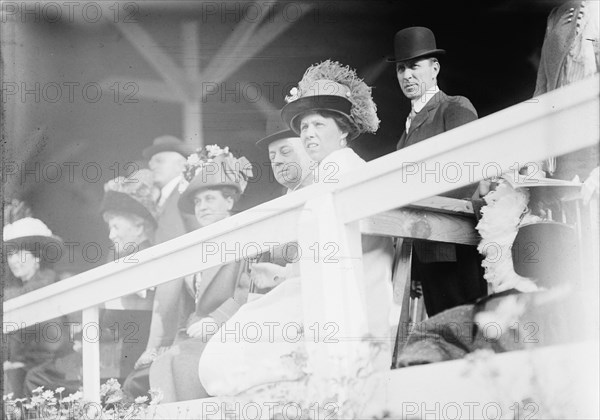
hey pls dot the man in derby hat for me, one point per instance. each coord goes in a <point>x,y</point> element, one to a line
<point>290,163</point>
<point>166,159</point>
<point>417,67</point>
<point>450,274</point>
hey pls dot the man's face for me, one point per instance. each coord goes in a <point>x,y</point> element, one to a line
<point>210,206</point>
<point>289,161</point>
<point>165,166</point>
<point>416,76</point>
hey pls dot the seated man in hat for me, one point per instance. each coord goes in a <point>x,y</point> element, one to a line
<point>291,165</point>
<point>449,274</point>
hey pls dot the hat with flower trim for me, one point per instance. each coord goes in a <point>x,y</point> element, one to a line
<point>135,194</point>
<point>330,86</point>
<point>211,168</point>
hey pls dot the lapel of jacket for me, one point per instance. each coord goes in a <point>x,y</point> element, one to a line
<point>423,115</point>
<point>170,202</point>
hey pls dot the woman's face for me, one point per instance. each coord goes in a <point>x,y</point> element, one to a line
<point>210,206</point>
<point>321,136</point>
<point>126,234</point>
<point>23,264</point>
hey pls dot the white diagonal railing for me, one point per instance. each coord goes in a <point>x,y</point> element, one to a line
<point>554,124</point>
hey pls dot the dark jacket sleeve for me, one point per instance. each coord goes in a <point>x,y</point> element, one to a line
<point>459,112</point>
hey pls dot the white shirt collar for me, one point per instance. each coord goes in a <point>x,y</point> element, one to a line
<point>166,191</point>
<point>419,103</point>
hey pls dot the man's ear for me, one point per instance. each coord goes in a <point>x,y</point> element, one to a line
<point>436,68</point>
<point>229,203</point>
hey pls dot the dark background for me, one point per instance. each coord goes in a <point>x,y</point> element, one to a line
<point>492,56</point>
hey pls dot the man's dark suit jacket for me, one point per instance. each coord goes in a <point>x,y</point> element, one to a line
<point>440,114</point>
<point>447,283</point>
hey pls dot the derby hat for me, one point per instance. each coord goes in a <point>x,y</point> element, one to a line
<point>212,168</point>
<point>330,86</point>
<point>276,130</point>
<point>414,42</point>
<point>29,234</point>
<point>167,144</point>
<point>133,195</point>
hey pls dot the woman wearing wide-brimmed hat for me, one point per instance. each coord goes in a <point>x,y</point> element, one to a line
<point>31,250</point>
<point>330,107</point>
<point>216,181</point>
<point>128,208</point>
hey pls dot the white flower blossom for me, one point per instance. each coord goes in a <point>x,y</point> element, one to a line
<point>141,400</point>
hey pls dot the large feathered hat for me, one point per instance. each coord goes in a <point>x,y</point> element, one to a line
<point>330,86</point>
<point>135,194</point>
<point>212,167</point>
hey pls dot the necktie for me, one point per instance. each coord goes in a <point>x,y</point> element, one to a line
<point>410,118</point>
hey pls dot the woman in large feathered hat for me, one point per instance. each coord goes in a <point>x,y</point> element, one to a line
<point>330,107</point>
<point>129,210</point>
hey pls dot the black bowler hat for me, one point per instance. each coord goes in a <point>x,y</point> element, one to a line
<point>276,130</point>
<point>168,144</point>
<point>414,42</point>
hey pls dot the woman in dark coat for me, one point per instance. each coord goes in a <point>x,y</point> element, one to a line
<point>31,248</point>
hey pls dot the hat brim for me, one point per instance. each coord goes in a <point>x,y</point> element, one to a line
<point>186,199</point>
<point>121,202</point>
<point>544,250</point>
<point>183,149</point>
<point>30,242</point>
<point>284,134</point>
<point>331,103</point>
<point>420,54</point>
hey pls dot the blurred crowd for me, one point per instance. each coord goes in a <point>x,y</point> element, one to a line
<point>178,347</point>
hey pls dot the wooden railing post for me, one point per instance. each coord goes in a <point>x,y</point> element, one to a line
<point>91,354</point>
<point>335,319</point>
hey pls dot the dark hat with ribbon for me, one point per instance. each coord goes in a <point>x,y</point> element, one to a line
<point>546,251</point>
<point>276,130</point>
<point>414,42</point>
<point>135,194</point>
<point>168,144</point>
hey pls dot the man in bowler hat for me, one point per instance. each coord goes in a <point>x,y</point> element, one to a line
<point>291,165</point>
<point>450,274</point>
<point>166,159</point>
<point>417,67</point>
